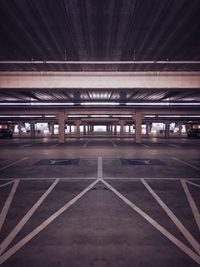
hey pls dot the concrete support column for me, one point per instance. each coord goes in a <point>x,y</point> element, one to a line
<point>12,127</point>
<point>167,129</point>
<point>112,129</point>
<point>61,125</point>
<point>20,128</point>
<point>121,128</point>
<point>148,128</point>
<point>78,128</point>
<point>32,129</point>
<point>138,127</point>
<point>115,129</point>
<point>51,128</point>
<point>179,129</point>
<point>84,129</point>
<point>187,128</point>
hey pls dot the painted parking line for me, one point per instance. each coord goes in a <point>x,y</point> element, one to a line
<point>8,203</point>
<point>93,178</point>
<point>54,145</point>
<point>100,168</point>
<point>192,203</point>
<point>25,219</point>
<point>86,143</point>
<point>43,225</point>
<point>187,163</point>
<point>113,143</point>
<point>161,229</point>
<point>26,145</point>
<point>195,244</point>
<point>13,163</point>
<point>2,185</point>
<point>193,183</point>
<point>144,145</point>
<point>176,146</point>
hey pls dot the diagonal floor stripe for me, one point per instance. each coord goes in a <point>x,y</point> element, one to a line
<point>13,163</point>
<point>198,185</point>
<point>86,143</point>
<point>25,219</point>
<point>195,244</point>
<point>8,203</point>
<point>2,185</point>
<point>161,229</point>
<point>43,225</point>
<point>187,163</point>
<point>192,203</point>
<point>100,168</point>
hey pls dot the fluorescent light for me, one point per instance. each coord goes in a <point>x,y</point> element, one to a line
<point>21,116</point>
<point>179,116</point>
<point>50,104</point>
<point>99,104</point>
<point>149,116</point>
<point>163,104</point>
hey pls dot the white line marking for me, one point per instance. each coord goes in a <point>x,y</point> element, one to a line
<point>172,145</point>
<point>86,143</point>
<point>186,163</point>
<point>100,168</point>
<point>43,225</point>
<point>54,145</point>
<point>193,183</point>
<point>25,219</point>
<point>145,145</point>
<point>8,203</point>
<point>93,178</point>
<point>13,163</point>
<point>192,203</point>
<point>195,244</point>
<point>146,178</point>
<point>26,145</point>
<point>161,229</point>
<point>113,143</point>
<point>2,185</point>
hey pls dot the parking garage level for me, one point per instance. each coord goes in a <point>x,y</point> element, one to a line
<point>99,133</point>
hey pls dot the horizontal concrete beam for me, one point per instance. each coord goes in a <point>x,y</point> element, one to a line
<point>124,80</point>
<point>15,112</point>
<point>32,62</point>
<point>99,120</point>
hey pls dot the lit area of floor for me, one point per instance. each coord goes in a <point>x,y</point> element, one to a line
<point>100,202</point>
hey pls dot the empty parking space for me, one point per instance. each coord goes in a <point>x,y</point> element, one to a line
<point>95,227</point>
<point>81,203</point>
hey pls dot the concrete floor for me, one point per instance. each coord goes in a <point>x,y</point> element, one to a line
<point>101,226</point>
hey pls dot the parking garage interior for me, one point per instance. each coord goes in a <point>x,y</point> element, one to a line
<point>102,100</point>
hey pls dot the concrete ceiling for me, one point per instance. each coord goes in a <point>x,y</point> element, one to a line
<point>100,30</point>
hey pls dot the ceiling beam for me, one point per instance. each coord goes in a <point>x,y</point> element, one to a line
<point>99,62</point>
<point>85,80</point>
<point>97,111</point>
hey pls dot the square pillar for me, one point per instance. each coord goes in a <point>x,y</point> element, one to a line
<point>138,127</point>
<point>32,128</point>
<point>167,129</point>
<point>20,128</point>
<point>78,128</point>
<point>61,124</point>
<point>179,129</point>
<point>51,128</point>
<point>121,128</point>
<point>148,128</point>
<point>115,129</point>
